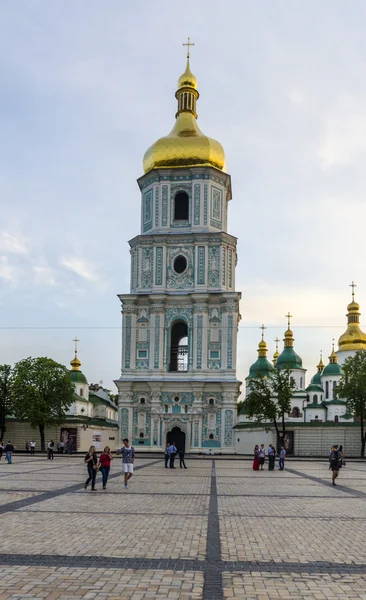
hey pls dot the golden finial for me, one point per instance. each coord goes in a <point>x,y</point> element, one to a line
<point>276,354</point>
<point>75,363</point>
<point>333,357</point>
<point>276,342</point>
<point>262,327</point>
<point>288,317</point>
<point>188,44</point>
<point>353,285</point>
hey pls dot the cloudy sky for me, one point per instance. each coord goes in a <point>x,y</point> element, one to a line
<point>87,86</point>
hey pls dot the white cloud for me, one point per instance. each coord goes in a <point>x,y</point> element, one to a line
<point>12,243</point>
<point>81,268</point>
<point>8,272</point>
<point>44,275</point>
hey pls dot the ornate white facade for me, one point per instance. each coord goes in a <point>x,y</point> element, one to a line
<point>180,319</point>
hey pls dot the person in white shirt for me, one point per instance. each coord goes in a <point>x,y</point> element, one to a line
<point>32,446</point>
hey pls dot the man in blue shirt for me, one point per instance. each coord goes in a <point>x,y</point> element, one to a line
<point>281,462</point>
<point>271,457</point>
<point>128,457</point>
<point>172,451</point>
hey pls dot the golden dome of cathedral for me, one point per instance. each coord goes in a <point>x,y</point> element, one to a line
<point>185,145</point>
<point>353,338</point>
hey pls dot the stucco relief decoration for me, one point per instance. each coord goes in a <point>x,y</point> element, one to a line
<point>124,423</point>
<point>171,314</point>
<point>213,266</point>
<point>146,268</point>
<point>183,280</point>
<point>228,434</point>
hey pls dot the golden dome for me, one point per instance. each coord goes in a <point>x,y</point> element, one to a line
<point>185,145</point>
<point>353,338</point>
<point>187,79</point>
<point>75,363</point>
<point>320,365</point>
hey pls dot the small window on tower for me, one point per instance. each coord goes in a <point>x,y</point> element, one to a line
<point>211,401</point>
<point>211,436</point>
<point>142,400</point>
<point>181,207</point>
<point>81,392</point>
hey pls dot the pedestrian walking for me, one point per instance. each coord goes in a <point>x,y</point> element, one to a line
<point>181,458</point>
<point>69,447</point>
<point>62,447</point>
<point>166,455</point>
<point>281,462</point>
<point>91,460</point>
<point>27,446</point>
<point>32,447</point>
<point>50,448</point>
<point>9,449</point>
<point>335,462</point>
<point>105,464</point>
<point>1,449</point>
<point>343,460</point>
<point>262,456</point>
<point>172,451</point>
<point>271,457</point>
<point>128,458</point>
<point>256,461</point>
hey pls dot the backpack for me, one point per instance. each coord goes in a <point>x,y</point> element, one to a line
<point>335,458</point>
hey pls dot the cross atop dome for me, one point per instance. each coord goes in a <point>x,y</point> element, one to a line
<point>188,44</point>
<point>353,285</point>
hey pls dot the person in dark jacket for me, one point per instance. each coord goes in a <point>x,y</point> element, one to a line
<point>166,455</point>
<point>181,459</point>
<point>91,460</point>
<point>9,449</point>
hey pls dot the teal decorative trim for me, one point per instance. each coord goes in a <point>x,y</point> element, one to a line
<point>124,423</point>
<point>199,341</point>
<point>223,274</point>
<point>205,194</point>
<point>201,273</point>
<point>216,207</point>
<point>228,433</point>
<point>176,410</point>
<point>128,321</point>
<point>159,266</point>
<point>157,341</point>
<point>137,280</point>
<point>156,207</point>
<point>147,210</point>
<point>196,437</point>
<point>147,264</point>
<point>230,342</point>
<point>213,266</point>
<point>230,284</point>
<point>184,398</point>
<point>197,204</point>
<point>164,206</point>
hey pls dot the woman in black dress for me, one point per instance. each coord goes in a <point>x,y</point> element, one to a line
<point>91,460</point>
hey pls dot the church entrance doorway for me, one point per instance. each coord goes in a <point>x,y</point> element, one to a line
<point>177,436</point>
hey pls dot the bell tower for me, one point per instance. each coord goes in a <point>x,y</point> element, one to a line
<point>181,317</point>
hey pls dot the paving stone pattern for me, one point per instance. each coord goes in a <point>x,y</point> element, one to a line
<point>216,531</point>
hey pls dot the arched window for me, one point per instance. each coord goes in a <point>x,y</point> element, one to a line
<point>336,419</point>
<point>178,347</point>
<point>327,389</point>
<point>315,399</point>
<point>334,390</point>
<point>295,412</point>
<point>181,207</point>
<point>300,383</point>
<point>142,400</point>
<point>211,401</point>
<point>166,408</point>
<point>81,392</point>
<point>186,408</point>
<point>141,435</point>
<point>211,436</point>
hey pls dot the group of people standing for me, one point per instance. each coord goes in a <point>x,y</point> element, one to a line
<point>170,455</point>
<point>260,457</point>
<point>103,464</point>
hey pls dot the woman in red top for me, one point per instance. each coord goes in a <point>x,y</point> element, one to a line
<point>105,464</point>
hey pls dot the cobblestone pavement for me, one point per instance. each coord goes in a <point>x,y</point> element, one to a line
<point>216,531</point>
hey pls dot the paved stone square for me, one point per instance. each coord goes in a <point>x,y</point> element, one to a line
<point>217,530</point>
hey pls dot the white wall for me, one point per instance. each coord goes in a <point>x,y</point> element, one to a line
<point>249,438</point>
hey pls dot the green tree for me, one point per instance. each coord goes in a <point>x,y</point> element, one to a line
<point>42,393</point>
<point>5,397</point>
<point>352,388</point>
<point>269,399</point>
<point>240,406</point>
